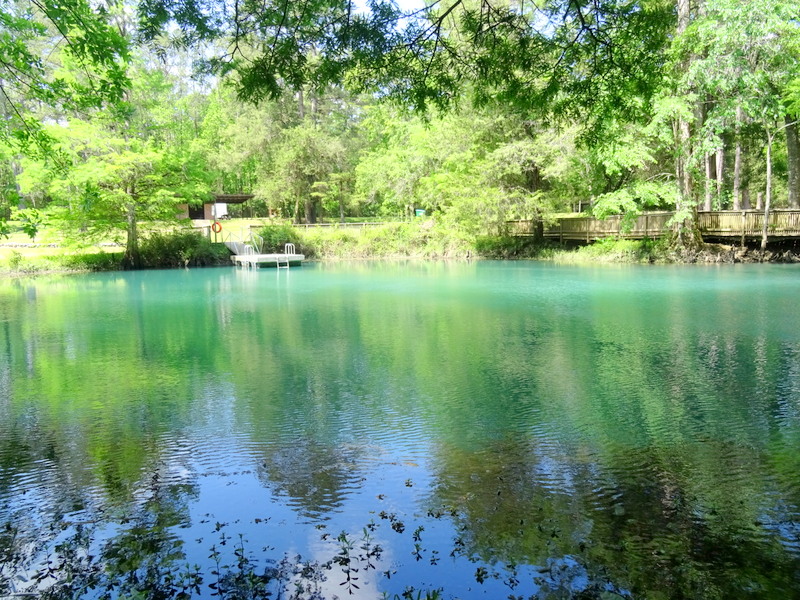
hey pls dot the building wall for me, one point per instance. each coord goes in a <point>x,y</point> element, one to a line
<point>183,211</point>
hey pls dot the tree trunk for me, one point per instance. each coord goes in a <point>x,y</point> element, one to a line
<point>737,164</point>
<point>16,169</point>
<point>311,211</point>
<point>685,233</point>
<point>681,127</point>
<point>768,201</point>
<point>710,175</point>
<point>793,152</point>
<point>301,104</point>
<point>132,258</point>
<point>311,201</point>
<point>297,209</point>
<point>684,14</point>
<point>720,173</point>
<point>684,177</point>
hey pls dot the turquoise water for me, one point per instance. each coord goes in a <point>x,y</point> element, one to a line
<point>495,428</point>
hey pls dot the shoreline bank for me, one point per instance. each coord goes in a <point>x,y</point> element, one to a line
<point>402,241</point>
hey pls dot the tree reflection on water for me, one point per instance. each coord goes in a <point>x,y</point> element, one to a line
<point>604,444</point>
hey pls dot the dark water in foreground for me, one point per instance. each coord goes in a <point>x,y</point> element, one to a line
<point>497,429</point>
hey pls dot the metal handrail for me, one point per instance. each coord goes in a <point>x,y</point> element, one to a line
<point>257,241</point>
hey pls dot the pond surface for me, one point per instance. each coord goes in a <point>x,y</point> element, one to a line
<point>489,429</point>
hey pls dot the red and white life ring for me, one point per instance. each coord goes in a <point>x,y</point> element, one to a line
<point>216,227</point>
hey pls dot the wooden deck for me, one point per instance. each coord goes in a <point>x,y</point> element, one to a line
<point>268,260</point>
<point>738,225</point>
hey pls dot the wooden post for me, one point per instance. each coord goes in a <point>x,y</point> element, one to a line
<point>744,225</point>
<point>646,225</point>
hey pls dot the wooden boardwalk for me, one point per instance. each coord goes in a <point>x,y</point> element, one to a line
<point>740,225</point>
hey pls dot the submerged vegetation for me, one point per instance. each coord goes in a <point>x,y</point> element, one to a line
<point>147,560</point>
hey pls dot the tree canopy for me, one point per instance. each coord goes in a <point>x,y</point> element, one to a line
<point>64,55</point>
<point>478,111</point>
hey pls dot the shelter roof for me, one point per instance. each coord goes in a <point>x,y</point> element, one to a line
<point>232,198</point>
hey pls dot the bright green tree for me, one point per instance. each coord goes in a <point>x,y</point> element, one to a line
<point>305,159</point>
<point>744,59</point>
<point>128,164</point>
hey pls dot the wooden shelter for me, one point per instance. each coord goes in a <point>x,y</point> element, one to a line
<point>207,211</point>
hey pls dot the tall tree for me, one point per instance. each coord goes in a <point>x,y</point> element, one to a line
<point>306,156</point>
<point>125,165</point>
<point>745,54</point>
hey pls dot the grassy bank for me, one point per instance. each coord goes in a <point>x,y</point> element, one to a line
<point>415,239</point>
<point>419,239</point>
<point>613,250</point>
<point>427,239</point>
<point>158,250</point>
<point>35,260</point>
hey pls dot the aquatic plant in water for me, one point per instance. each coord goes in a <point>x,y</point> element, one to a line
<point>146,560</point>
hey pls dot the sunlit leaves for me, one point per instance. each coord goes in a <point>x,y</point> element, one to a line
<point>62,54</point>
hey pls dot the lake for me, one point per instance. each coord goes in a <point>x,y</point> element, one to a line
<point>487,429</point>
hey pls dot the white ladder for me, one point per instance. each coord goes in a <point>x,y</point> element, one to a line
<point>282,262</point>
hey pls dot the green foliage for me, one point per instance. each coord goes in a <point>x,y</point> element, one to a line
<point>618,251</point>
<point>792,96</point>
<point>15,260</point>
<point>92,261</point>
<point>277,236</point>
<point>77,262</point>
<point>30,220</point>
<point>331,243</point>
<point>507,246</point>
<point>306,156</point>
<point>181,249</point>
<point>556,57</point>
<point>416,239</point>
<point>572,102</point>
<point>118,175</point>
<point>478,169</point>
<point>630,201</point>
<point>237,139</point>
<point>109,175</point>
<point>87,71</point>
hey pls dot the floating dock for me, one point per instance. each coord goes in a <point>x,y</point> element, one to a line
<point>268,260</point>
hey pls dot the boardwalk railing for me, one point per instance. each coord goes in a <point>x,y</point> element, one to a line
<point>740,224</point>
<point>346,225</point>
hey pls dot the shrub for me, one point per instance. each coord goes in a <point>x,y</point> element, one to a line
<point>508,246</point>
<point>277,236</point>
<point>15,260</point>
<point>181,249</point>
<point>330,243</point>
<point>613,249</point>
<point>96,261</point>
